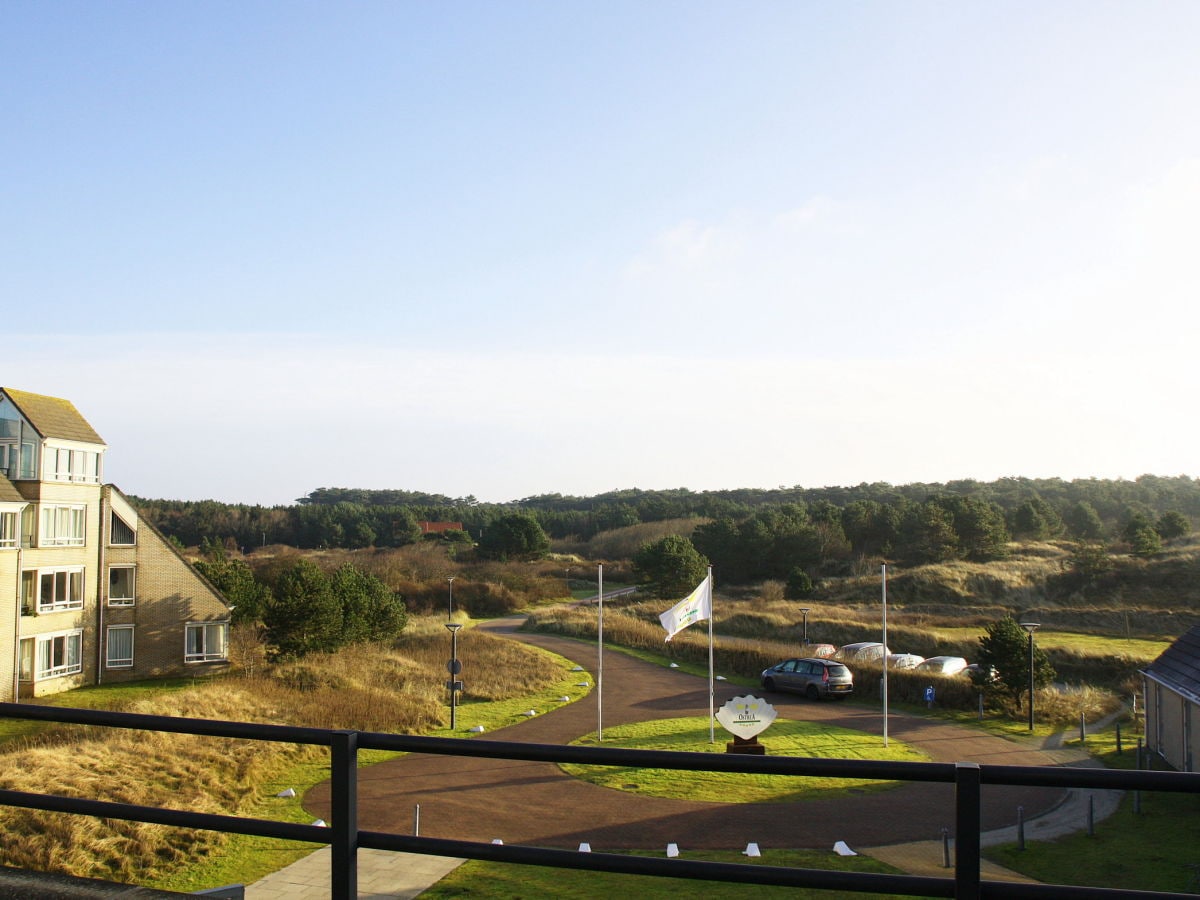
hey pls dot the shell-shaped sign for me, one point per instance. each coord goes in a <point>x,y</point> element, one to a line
<point>746,716</point>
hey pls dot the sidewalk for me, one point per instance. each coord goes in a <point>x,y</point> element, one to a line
<point>382,875</point>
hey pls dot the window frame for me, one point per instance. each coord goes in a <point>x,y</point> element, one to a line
<point>10,530</point>
<point>113,518</point>
<point>73,636</point>
<point>39,606</point>
<point>205,655</point>
<point>108,648</point>
<point>52,519</point>
<point>131,600</point>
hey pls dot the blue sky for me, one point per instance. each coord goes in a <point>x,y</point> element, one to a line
<point>509,249</point>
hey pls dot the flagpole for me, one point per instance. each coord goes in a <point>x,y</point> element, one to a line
<point>712,713</point>
<point>885,657</point>
<point>600,656</point>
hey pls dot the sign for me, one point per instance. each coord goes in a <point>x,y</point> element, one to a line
<point>454,667</point>
<point>929,694</point>
<point>746,717</point>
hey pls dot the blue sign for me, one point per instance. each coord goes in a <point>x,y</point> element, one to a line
<point>929,694</point>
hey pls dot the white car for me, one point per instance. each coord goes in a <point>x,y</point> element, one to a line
<point>904,660</point>
<point>942,665</point>
<point>863,651</point>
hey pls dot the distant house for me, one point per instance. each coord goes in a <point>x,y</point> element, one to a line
<point>101,595</point>
<point>439,527</point>
<point>1172,685</point>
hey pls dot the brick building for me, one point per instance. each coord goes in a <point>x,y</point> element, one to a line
<point>93,592</point>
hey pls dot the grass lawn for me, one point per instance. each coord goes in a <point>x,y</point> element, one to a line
<point>1156,850</point>
<point>486,879</point>
<point>783,738</point>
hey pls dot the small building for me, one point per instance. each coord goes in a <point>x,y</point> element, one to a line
<point>1172,691</point>
<point>96,594</point>
<point>439,527</point>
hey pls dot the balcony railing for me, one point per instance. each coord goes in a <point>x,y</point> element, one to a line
<point>345,838</point>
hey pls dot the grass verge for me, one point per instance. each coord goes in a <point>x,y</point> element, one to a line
<point>483,879</point>
<point>785,738</point>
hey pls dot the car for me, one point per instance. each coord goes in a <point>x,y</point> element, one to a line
<point>904,660</point>
<point>978,674</point>
<point>863,651</point>
<point>812,677</point>
<point>942,665</point>
<point>821,651</point>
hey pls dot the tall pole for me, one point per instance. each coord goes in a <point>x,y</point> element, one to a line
<point>804,612</point>
<point>712,712</point>
<point>454,668</point>
<point>600,654</point>
<point>883,582</point>
<point>450,610</point>
<point>1030,628</point>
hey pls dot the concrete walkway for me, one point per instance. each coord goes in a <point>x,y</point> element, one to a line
<point>382,875</point>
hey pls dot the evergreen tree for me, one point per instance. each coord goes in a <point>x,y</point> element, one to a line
<point>303,616</point>
<point>1005,649</point>
<point>670,567</point>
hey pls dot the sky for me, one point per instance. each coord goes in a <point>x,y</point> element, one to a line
<point>510,249</point>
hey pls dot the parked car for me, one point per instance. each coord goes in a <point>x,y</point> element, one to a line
<point>863,651</point>
<point>942,665</point>
<point>814,678</point>
<point>904,660</point>
<point>820,651</point>
<point>976,673</point>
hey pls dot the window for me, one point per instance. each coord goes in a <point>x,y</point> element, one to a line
<point>26,667</point>
<point>53,590</point>
<point>62,464</point>
<point>59,654</point>
<point>120,585</point>
<point>119,648</point>
<point>8,529</point>
<point>205,642</point>
<point>62,526</point>
<point>119,532</point>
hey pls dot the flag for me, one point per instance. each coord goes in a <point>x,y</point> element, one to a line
<point>695,607</point>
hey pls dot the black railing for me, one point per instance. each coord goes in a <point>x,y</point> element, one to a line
<point>345,838</point>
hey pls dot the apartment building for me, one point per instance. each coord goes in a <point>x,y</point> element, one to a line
<point>90,593</point>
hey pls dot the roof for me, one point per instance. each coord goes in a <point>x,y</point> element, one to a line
<point>1179,665</point>
<point>8,493</point>
<point>53,417</point>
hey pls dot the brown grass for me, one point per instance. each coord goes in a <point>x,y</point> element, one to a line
<point>396,689</point>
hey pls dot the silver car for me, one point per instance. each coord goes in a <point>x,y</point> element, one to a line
<point>814,678</point>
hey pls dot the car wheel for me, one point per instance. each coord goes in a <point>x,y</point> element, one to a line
<point>769,684</point>
<point>812,693</point>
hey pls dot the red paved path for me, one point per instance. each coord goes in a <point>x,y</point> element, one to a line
<point>534,803</point>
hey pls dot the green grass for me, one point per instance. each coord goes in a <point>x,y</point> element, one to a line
<point>486,879</point>
<point>1155,850</point>
<point>783,738</point>
<point>1085,644</point>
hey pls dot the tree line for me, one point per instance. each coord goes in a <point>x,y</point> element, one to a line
<point>918,522</point>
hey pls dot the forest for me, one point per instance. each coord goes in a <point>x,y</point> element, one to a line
<point>752,533</point>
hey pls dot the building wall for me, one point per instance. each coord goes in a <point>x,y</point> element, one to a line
<point>47,493</point>
<point>10,607</point>
<point>1172,723</point>
<point>169,594</point>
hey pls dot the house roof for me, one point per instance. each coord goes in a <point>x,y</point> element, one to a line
<point>1179,665</point>
<point>53,417</point>
<point>8,493</point>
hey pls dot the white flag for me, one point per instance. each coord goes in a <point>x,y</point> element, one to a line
<point>695,607</point>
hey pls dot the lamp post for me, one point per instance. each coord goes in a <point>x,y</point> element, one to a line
<point>1030,628</point>
<point>454,667</point>
<point>804,612</point>
<point>450,582</point>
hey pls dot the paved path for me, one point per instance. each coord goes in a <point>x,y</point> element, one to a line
<point>534,803</point>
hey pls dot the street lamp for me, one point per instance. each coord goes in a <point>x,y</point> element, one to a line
<point>1030,628</point>
<point>804,610</point>
<point>454,667</point>
<point>450,582</point>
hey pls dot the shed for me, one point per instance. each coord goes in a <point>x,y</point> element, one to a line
<point>1172,684</point>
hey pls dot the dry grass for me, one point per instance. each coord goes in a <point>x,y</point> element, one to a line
<point>395,689</point>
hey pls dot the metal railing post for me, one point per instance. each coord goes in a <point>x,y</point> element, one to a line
<point>967,809</point>
<point>344,809</point>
